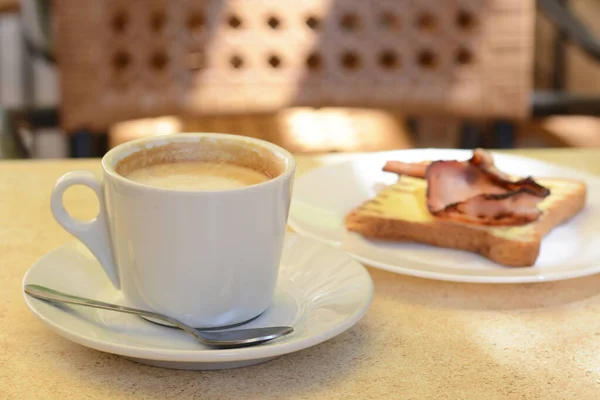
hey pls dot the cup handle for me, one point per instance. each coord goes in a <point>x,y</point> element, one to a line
<point>93,234</point>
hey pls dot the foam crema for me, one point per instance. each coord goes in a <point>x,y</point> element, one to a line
<point>206,164</point>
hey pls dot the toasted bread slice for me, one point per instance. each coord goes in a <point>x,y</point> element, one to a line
<point>399,213</point>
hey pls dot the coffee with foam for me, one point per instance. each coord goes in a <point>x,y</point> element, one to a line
<point>197,175</point>
<point>204,165</point>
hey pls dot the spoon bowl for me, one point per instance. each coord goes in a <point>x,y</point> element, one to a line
<point>235,338</point>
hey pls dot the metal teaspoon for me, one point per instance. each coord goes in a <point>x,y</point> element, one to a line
<point>220,339</point>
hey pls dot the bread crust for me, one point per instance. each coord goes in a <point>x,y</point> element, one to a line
<point>521,252</point>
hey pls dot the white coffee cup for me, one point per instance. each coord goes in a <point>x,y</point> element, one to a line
<point>208,258</point>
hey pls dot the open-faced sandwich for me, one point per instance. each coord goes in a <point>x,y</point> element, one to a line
<point>469,205</point>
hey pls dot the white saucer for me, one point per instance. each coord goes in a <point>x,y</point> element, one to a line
<point>321,293</point>
<point>323,197</point>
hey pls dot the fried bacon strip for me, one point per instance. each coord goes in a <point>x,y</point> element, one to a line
<point>475,191</point>
<point>416,170</point>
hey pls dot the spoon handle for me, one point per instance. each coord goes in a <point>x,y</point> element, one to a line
<point>44,293</point>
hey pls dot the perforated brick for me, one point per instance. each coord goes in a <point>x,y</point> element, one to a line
<point>123,59</point>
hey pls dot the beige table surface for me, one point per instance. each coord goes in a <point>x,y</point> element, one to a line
<point>420,339</point>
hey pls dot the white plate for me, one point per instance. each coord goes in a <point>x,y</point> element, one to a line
<point>321,292</point>
<point>324,196</point>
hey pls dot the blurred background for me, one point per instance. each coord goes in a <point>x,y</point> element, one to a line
<point>78,77</point>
